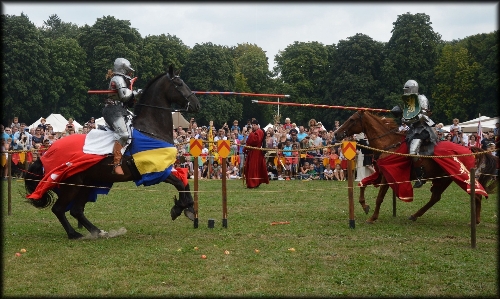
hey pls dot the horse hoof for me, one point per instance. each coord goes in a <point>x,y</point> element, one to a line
<point>189,213</point>
<point>103,234</point>
<point>366,209</point>
<point>175,212</point>
<point>412,218</point>
<point>369,221</point>
<point>75,235</point>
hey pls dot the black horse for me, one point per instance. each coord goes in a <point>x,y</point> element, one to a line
<point>152,118</point>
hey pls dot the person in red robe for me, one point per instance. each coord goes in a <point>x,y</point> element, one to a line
<point>255,164</point>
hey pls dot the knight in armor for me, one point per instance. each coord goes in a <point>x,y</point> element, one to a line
<point>115,111</point>
<point>421,137</point>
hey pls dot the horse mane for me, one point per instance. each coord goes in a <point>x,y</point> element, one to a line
<point>389,123</point>
<point>151,82</point>
<point>137,108</point>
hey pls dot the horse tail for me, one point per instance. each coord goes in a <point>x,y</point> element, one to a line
<point>487,167</point>
<point>31,180</point>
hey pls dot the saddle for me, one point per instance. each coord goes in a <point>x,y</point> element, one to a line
<point>100,141</point>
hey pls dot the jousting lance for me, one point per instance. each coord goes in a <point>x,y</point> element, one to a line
<point>320,106</point>
<point>132,81</point>
<point>247,94</point>
<point>226,93</point>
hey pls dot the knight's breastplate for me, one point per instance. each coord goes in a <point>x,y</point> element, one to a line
<point>411,107</point>
<point>116,83</point>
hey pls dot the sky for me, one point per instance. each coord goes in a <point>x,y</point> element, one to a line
<point>271,26</point>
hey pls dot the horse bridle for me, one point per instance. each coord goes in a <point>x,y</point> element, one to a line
<point>176,88</point>
<point>380,136</point>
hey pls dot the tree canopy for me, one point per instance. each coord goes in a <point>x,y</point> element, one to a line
<point>51,68</point>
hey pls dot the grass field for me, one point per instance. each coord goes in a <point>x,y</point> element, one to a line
<point>151,255</point>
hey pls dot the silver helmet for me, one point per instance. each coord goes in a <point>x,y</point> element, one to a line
<point>411,86</point>
<point>122,66</point>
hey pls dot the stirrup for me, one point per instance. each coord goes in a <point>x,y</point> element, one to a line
<point>114,167</point>
<point>419,183</point>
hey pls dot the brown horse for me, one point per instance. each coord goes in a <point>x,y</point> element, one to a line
<point>152,122</point>
<point>383,134</point>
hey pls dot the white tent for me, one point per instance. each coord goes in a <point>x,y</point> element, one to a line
<point>268,126</point>
<point>487,124</point>
<point>178,120</point>
<point>57,121</point>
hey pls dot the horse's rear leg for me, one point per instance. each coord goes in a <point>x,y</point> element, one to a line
<point>362,200</point>
<point>77,211</point>
<point>380,199</point>
<point>478,199</point>
<point>437,189</point>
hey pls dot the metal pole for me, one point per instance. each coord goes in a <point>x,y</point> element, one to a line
<point>278,107</point>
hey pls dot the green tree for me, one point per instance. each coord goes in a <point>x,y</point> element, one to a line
<point>301,68</point>
<point>211,67</point>
<point>455,92</point>
<point>412,53</point>
<point>54,28</point>
<point>159,52</point>
<point>25,69</point>
<point>67,89</point>
<point>483,48</point>
<point>356,75</point>
<point>252,75</point>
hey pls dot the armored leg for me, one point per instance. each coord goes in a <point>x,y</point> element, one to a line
<point>414,150</point>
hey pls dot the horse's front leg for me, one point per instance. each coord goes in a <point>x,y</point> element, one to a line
<point>185,202</point>
<point>59,209</point>
<point>438,187</point>
<point>362,200</point>
<point>380,199</point>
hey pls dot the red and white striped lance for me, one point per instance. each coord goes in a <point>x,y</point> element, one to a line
<point>225,93</point>
<point>246,94</point>
<point>320,106</point>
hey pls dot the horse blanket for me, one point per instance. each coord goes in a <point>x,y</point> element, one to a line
<point>396,169</point>
<point>66,157</point>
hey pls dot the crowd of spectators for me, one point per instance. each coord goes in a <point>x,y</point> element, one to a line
<point>489,140</point>
<point>293,151</point>
<point>31,143</point>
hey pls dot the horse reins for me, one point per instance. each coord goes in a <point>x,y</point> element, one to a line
<point>176,88</point>
<point>380,136</point>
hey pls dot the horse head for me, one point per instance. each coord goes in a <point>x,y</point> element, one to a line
<point>153,111</point>
<point>185,97</point>
<point>166,89</point>
<point>351,126</point>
